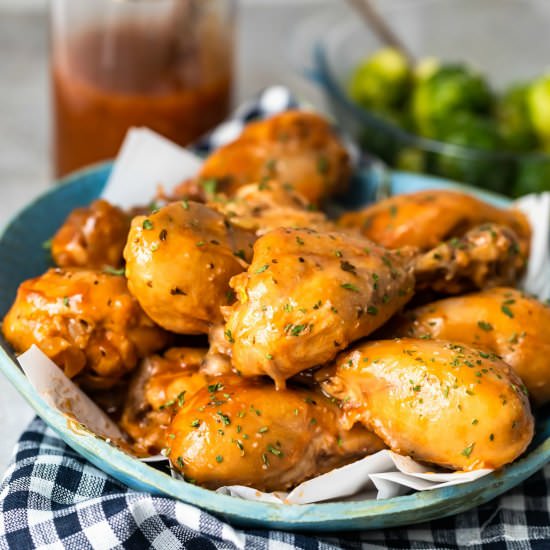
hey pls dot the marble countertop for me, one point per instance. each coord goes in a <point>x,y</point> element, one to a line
<point>262,59</point>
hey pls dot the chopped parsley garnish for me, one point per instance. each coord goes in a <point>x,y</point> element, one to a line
<point>147,224</point>
<point>468,450</point>
<point>262,269</point>
<point>350,286</point>
<point>210,185</point>
<point>484,325</point>
<point>295,330</point>
<point>112,271</point>
<point>507,311</point>
<point>226,420</point>
<point>275,451</point>
<point>323,165</point>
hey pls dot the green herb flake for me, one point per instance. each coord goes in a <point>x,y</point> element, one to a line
<point>219,459</point>
<point>112,271</point>
<point>262,269</point>
<point>350,286</point>
<point>275,451</point>
<point>323,165</point>
<point>507,311</point>
<point>210,186</point>
<point>484,325</point>
<point>226,420</point>
<point>467,451</point>
<point>147,224</point>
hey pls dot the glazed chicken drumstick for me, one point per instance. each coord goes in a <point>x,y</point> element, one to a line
<point>86,321</point>
<point>435,401</point>
<point>295,147</point>
<point>308,295</point>
<point>245,432</point>
<point>179,260</point>
<point>426,218</point>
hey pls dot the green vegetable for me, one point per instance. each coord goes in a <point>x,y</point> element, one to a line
<point>467,130</point>
<point>538,104</point>
<point>514,124</point>
<point>449,90</point>
<point>533,176</point>
<point>382,80</point>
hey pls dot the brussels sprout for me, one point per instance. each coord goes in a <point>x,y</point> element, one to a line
<point>450,89</point>
<point>474,132</point>
<point>514,124</point>
<point>425,68</point>
<point>538,103</point>
<point>533,176</point>
<point>382,80</point>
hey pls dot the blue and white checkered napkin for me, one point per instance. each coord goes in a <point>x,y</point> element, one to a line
<point>51,497</point>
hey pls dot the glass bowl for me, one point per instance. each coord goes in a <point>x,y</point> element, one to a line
<point>506,40</point>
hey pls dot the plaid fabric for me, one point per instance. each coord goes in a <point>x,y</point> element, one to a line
<point>52,498</point>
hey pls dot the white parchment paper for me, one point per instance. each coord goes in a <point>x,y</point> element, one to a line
<point>148,160</point>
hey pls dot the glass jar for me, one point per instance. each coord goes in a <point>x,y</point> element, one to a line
<point>163,64</point>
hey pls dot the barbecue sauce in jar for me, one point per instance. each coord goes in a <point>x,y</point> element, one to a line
<point>171,73</point>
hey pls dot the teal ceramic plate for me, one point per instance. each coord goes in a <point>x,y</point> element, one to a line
<point>22,256</point>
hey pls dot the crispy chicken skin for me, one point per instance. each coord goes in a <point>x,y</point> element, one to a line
<point>158,388</point>
<point>92,237</point>
<point>488,255</point>
<point>295,147</point>
<point>436,401</point>
<point>501,320</point>
<point>261,207</point>
<point>179,260</point>
<point>246,432</point>
<point>308,295</point>
<point>426,218</point>
<point>85,321</point>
